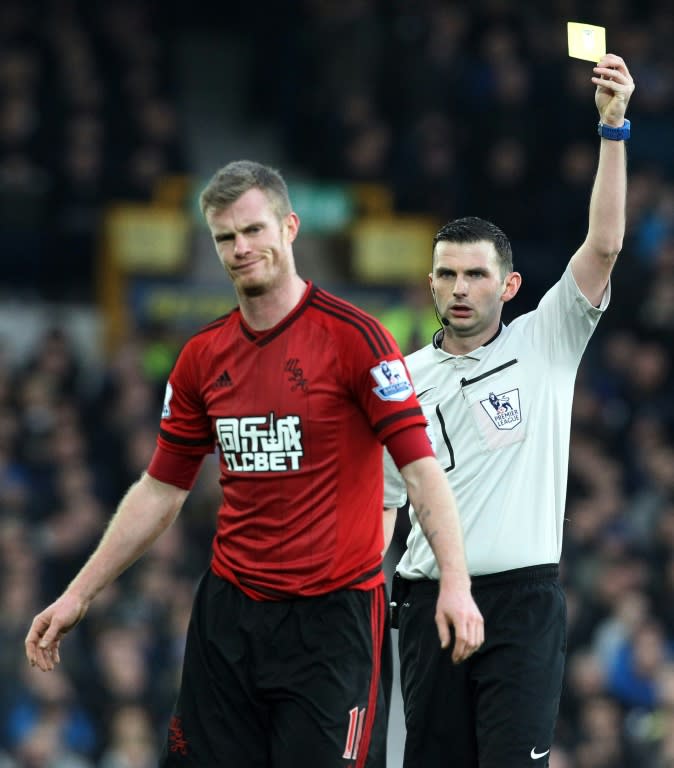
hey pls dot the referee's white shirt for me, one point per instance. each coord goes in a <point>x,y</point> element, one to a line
<point>500,419</point>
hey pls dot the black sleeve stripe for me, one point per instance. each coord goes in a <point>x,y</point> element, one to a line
<point>377,353</point>
<point>170,438</point>
<point>381,425</point>
<point>354,311</point>
<point>366,324</point>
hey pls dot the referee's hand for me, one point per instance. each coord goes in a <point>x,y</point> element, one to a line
<point>457,614</point>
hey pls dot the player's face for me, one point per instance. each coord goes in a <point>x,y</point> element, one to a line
<point>470,290</point>
<point>253,245</point>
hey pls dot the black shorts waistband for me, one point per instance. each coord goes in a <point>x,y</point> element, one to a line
<point>530,573</point>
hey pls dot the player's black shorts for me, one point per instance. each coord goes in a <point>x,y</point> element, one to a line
<point>497,709</point>
<point>266,684</point>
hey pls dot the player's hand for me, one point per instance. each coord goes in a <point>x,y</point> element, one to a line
<point>49,627</point>
<point>614,88</point>
<point>456,609</point>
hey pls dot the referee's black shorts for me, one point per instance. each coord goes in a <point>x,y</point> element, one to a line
<point>269,684</point>
<point>497,709</point>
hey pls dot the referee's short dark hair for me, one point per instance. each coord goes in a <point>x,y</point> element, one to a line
<point>472,229</point>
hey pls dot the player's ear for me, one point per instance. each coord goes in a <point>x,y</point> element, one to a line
<point>292,225</point>
<point>512,283</point>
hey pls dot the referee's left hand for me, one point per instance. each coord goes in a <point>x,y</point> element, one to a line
<point>456,610</point>
<point>614,88</point>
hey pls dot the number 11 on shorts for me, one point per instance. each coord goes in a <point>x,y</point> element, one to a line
<point>356,720</point>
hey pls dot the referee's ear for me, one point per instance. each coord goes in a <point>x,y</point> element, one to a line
<point>511,284</point>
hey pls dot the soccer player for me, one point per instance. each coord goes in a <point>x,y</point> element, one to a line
<point>498,401</point>
<point>286,659</point>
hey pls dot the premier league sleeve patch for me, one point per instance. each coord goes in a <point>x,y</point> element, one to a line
<point>392,381</point>
<point>166,410</point>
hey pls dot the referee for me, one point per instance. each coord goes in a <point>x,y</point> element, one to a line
<point>498,404</point>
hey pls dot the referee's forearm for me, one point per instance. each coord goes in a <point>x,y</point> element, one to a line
<point>435,508</point>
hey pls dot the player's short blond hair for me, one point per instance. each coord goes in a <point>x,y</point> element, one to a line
<point>236,178</point>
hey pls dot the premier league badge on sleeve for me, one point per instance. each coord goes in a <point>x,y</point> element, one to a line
<point>166,410</point>
<point>392,380</point>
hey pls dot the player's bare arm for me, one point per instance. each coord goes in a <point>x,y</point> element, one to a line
<point>147,509</point>
<point>435,508</point>
<point>594,260</point>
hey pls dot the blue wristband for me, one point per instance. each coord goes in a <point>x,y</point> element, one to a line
<point>615,134</point>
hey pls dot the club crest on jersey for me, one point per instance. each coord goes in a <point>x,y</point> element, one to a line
<point>503,409</point>
<point>166,410</point>
<point>392,381</point>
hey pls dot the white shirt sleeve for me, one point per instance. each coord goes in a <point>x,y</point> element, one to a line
<point>395,490</point>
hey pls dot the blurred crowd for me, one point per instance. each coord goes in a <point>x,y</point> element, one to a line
<point>87,116</point>
<point>458,108</point>
<point>71,441</point>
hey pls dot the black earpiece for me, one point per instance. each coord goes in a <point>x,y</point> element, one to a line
<point>443,320</point>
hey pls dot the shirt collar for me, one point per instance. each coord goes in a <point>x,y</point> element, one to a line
<point>439,334</point>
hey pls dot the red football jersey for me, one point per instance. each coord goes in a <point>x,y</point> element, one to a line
<point>299,413</point>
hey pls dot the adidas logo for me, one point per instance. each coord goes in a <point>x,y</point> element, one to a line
<point>223,380</point>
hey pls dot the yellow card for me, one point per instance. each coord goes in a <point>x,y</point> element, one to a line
<point>586,41</point>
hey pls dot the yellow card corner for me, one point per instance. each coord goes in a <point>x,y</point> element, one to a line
<point>586,41</point>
